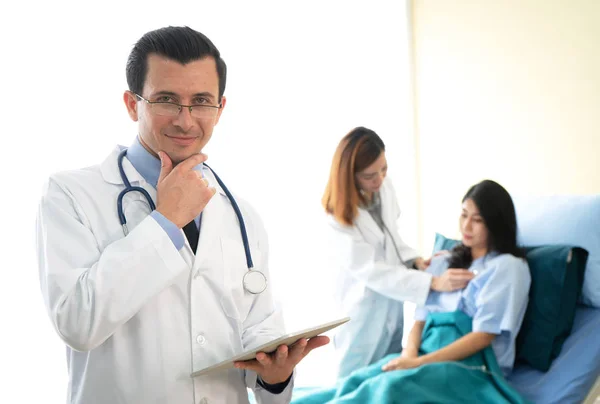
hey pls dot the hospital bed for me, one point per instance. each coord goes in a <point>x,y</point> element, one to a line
<point>574,375</point>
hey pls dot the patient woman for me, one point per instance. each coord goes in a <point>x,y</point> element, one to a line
<point>488,312</point>
<point>496,298</point>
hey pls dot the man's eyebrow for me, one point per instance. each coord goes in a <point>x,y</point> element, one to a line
<point>204,94</point>
<point>171,93</point>
<point>165,93</point>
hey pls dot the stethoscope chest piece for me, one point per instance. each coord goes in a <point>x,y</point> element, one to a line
<point>255,282</point>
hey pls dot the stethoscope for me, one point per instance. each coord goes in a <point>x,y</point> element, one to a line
<point>254,282</point>
<point>386,230</point>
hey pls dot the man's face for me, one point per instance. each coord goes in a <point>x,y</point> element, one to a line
<point>180,135</point>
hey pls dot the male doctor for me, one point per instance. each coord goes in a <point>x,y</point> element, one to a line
<point>141,310</point>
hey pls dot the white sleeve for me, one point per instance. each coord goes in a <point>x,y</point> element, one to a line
<point>394,281</point>
<point>90,293</point>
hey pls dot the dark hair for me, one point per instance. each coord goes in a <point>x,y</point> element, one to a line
<point>498,213</point>
<point>181,44</point>
<point>355,152</point>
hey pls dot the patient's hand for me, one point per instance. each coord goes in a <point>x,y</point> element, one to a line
<point>402,362</point>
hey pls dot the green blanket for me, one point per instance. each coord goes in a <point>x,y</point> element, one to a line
<point>476,379</point>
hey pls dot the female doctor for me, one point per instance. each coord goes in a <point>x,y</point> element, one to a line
<point>377,271</point>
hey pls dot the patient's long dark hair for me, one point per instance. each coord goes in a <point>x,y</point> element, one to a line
<point>498,213</point>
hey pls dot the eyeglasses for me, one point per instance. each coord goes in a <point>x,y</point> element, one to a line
<point>163,108</point>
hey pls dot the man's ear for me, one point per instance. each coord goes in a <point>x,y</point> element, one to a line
<point>130,100</point>
<point>223,102</point>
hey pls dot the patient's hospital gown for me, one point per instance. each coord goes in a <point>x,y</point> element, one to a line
<point>496,298</point>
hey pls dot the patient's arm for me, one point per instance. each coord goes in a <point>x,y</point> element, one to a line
<point>414,340</point>
<point>462,348</point>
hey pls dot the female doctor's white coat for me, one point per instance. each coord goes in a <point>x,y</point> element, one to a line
<point>137,315</point>
<point>372,282</point>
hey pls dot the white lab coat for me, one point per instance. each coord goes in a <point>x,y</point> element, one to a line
<point>138,316</point>
<point>372,282</point>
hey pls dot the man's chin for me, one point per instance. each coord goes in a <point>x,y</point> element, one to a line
<point>182,156</point>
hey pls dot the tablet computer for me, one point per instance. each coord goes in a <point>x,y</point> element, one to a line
<point>287,339</point>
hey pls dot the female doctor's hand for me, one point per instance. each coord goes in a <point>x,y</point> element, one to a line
<point>278,366</point>
<point>452,279</point>
<point>424,264</point>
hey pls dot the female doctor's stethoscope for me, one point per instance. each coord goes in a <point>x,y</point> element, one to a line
<point>254,282</point>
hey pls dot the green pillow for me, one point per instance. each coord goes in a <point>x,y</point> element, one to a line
<point>556,282</point>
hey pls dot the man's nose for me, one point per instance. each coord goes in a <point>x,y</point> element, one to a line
<point>184,119</point>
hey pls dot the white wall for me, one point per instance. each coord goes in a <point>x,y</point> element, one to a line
<point>507,90</point>
<point>301,75</point>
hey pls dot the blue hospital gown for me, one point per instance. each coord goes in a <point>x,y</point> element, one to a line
<point>496,298</point>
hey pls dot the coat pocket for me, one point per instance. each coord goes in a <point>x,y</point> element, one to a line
<point>236,301</point>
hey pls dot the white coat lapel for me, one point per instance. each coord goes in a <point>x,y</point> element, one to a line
<point>110,169</point>
<point>209,254</point>
<point>388,211</point>
<point>389,214</point>
<point>135,206</point>
<point>368,227</point>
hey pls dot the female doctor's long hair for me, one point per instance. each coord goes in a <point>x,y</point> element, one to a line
<point>498,212</point>
<point>355,152</point>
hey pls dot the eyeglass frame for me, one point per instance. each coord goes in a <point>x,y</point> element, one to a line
<point>181,106</point>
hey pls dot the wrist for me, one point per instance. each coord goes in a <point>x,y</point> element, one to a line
<point>276,388</point>
<point>168,216</point>
<point>423,360</point>
<point>435,283</point>
<point>275,381</point>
